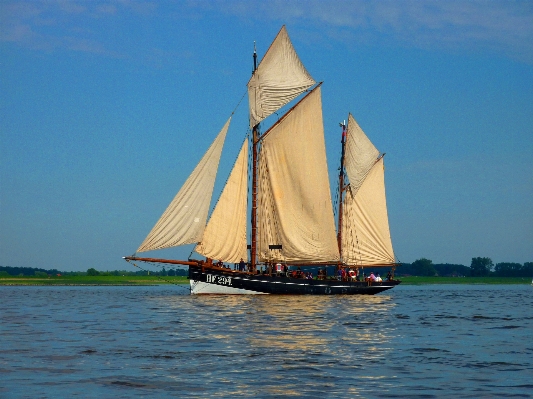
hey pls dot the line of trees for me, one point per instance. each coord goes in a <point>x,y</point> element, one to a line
<point>38,272</point>
<point>27,271</point>
<point>479,267</point>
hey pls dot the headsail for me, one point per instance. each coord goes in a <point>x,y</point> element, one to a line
<point>295,205</point>
<point>365,223</point>
<point>184,220</point>
<point>225,234</point>
<point>279,78</point>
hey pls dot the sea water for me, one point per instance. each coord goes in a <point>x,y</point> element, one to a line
<point>432,341</point>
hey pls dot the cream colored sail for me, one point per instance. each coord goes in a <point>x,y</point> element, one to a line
<point>295,208</point>
<point>225,235</point>
<point>279,78</point>
<point>360,154</point>
<point>184,220</point>
<point>365,231</point>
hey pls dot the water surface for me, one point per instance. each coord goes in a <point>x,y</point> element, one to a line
<point>433,341</point>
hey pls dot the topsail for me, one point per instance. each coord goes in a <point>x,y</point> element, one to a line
<point>279,78</point>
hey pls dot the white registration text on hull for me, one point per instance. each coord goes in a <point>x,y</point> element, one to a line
<point>220,280</point>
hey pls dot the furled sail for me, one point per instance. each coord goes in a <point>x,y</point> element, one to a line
<point>225,235</point>
<point>360,154</point>
<point>184,220</point>
<point>295,206</point>
<point>365,231</point>
<point>279,78</point>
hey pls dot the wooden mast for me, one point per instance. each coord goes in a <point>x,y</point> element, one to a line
<point>255,141</point>
<point>341,189</point>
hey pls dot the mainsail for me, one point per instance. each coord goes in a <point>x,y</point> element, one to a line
<point>184,220</point>
<point>279,78</point>
<point>295,207</point>
<point>225,234</point>
<point>365,224</point>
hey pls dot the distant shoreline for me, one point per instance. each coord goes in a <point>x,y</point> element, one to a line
<point>169,280</point>
<point>93,280</point>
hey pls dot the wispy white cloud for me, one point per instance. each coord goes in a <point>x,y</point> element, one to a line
<point>61,24</point>
<point>501,27</point>
<point>504,27</point>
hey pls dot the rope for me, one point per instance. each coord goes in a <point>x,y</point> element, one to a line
<point>239,103</point>
<point>159,277</point>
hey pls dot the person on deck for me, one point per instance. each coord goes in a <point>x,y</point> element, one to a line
<point>242,265</point>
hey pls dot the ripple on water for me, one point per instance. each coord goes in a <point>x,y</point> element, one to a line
<point>413,342</point>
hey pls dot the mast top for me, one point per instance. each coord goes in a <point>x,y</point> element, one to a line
<point>255,58</point>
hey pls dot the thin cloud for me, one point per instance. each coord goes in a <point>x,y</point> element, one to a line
<point>497,27</point>
<point>62,24</point>
<point>503,27</point>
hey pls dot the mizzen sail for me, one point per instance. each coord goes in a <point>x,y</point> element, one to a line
<point>279,78</point>
<point>225,234</point>
<point>184,220</point>
<point>295,205</point>
<point>365,231</point>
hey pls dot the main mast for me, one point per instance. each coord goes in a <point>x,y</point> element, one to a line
<point>255,141</point>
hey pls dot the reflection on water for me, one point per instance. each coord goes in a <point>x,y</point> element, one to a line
<point>428,341</point>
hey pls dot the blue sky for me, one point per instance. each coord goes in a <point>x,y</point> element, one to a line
<point>106,106</point>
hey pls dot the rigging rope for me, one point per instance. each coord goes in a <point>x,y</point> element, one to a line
<point>239,103</point>
<point>159,277</point>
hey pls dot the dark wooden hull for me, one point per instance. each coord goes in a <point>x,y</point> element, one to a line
<point>224,281</point>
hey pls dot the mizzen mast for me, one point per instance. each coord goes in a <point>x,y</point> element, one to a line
<point>341,186</point>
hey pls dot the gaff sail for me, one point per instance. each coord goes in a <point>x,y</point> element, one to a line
<point>295,208</point>
<point>365,224</point>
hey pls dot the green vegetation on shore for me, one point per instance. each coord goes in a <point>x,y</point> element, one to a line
<point>92,280</point>
<point>419,280</point>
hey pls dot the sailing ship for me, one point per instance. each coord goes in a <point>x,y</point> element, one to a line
<point>294,231</point>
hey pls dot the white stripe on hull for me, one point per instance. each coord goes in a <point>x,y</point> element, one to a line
<point>199,287</point>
